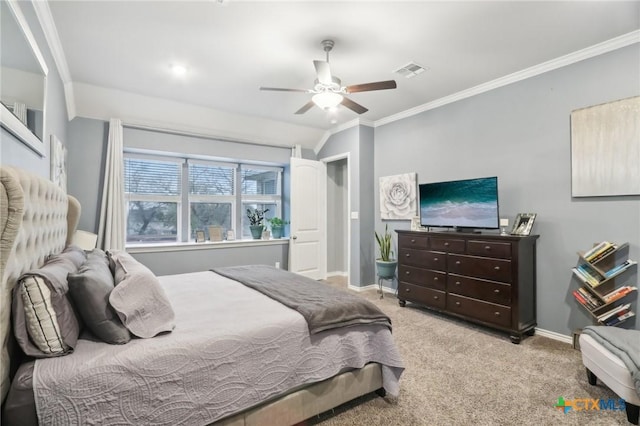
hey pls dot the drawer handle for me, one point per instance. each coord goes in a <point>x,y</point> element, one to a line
<point>435,297</point>
<point>413,241</point>
<point>497,314</point>
<point>408,290</point>
<point>435,259</point>
<point>458,262</point>
<point>496,291</point>
<point>457,303</point>
<point>457,282</point>
<point>487,247</point>
<point>497,268</point>
<point>446,244</point>
<point>408,255</point>
<point>407,272</point>
<point>435,278</point>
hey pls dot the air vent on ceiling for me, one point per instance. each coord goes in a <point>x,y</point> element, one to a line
<point>410,70</point>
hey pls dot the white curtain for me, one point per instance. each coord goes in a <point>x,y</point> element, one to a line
<point>111,233</point>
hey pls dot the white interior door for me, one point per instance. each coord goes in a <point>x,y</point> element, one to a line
<point>307,249</point>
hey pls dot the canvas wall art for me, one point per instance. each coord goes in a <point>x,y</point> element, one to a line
<point>398,196</point>
<point>605,149</point>
<point>58,162</point>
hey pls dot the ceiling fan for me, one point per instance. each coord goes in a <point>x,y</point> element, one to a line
<point>328,89</point>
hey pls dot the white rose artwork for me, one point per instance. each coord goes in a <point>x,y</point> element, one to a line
<point>398,196</point>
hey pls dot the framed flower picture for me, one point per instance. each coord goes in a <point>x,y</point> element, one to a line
<point>398,195</point>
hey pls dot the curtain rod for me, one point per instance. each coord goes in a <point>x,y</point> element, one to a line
<point>199,135</point>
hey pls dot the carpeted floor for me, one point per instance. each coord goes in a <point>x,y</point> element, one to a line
<point>461,374</point>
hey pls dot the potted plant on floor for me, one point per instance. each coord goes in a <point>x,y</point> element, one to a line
<point>277,227</point>
<point>386,263</point>
<point>256,222</point>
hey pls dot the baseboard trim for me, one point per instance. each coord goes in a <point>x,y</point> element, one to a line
<point>337,274</point>
<point>555,336</point>
<point>539,331</point>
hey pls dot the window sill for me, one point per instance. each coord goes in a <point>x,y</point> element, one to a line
<point>207,245</point>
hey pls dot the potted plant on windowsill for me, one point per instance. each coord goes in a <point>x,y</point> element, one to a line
<point>277,227</point>
<point>386,263</point>
<point>256,220</point>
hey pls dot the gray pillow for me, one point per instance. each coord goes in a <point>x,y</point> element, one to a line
<point>44,321</point>
<point>138,298</point>
<point>90,288</point>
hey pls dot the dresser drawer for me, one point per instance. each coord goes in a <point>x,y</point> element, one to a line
<point>483,311</point>
<point>423,258</point>
<point>481,267</point>
<point>450,245</point>
<point>489,291</point>
<point>489,249</point>
<point>423,277</point>
<point>422,295</point>
<point>413,241</point>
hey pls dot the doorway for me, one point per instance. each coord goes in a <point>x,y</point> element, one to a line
<point>338,224</point>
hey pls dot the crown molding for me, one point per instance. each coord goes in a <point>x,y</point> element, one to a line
<point>43,12</point>
<point>580,55</point>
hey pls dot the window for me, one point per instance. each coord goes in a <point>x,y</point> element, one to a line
<point>261,189</point>
<point>211,195</point>
<point>169,198</point>
<point>152,191</point>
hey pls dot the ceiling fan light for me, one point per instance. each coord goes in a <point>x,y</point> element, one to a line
<point>326,100</point>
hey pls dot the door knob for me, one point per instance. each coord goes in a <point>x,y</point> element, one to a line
<point>295,237</point>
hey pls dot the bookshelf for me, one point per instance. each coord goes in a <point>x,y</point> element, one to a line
<point>605,290</point>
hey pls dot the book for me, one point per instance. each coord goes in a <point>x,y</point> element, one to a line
<point>593,301</point>
<point>618,268</point>
<point>618,293</point>
<point>586,276</point>
<point>589,254</point>
<point>613,311</point>
<point>617,319</point>
<point>602,254</point>
<point>580,299</point>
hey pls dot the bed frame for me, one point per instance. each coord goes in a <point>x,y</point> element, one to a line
<point>38,219</point>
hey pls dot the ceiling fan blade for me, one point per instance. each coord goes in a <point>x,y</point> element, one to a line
<point>279,89</point>
<point>367,87</point>
<point>324,72</point>
<point>306,107</point>
<point>355,107</point>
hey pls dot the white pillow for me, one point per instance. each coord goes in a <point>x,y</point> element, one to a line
<point>138,298</point>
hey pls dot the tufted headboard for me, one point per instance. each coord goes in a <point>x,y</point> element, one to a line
<point>37,219</point>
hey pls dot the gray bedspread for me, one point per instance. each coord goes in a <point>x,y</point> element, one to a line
<point>322,306</point>
<point>625,344</point>
<point>232,348</point>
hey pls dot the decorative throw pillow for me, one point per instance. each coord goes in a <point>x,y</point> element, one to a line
<point>90,288</point>
<point>138,298</point>
<point>44,321</point>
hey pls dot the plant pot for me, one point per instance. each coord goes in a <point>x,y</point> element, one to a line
<point>277,231</point>
<point>386,269</point>
<point>256,231</point>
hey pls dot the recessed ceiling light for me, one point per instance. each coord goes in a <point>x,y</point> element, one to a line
<point>178,70</point>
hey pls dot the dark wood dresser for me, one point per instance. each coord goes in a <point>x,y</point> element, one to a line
<point>489,279</point>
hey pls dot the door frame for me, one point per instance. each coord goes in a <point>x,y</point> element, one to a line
<point>331,159</point>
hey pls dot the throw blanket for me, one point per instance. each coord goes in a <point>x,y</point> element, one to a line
<point>625,344</point>
<point>322,306</point>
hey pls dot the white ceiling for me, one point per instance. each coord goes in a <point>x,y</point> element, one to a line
<point>233,48</point>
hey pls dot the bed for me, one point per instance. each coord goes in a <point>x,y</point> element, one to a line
<point>221,352</point>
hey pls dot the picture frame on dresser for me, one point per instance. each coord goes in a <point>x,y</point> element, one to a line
<point>523,224</point>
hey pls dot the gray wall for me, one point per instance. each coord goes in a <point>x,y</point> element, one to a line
<point>12,151</point>
<point>521,133</point>
<point>337,216</point>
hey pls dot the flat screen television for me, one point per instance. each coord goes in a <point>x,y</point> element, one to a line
<point>462,204</point>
